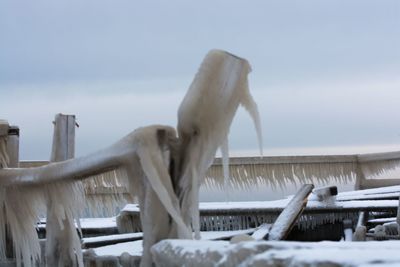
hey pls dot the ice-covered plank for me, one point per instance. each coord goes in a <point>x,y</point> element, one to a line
<point>133,248</point>
<point>262,231</point>
<point>90,223</point>
<point>98,241</point>
<point>286,220</point>
<point>382,220</point>
<point>131,208</point>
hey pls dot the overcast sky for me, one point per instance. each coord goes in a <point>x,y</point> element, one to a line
<point>325,73</point>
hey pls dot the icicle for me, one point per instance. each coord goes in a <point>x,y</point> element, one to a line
<point>29,203</point>
<point>107,193</point>
<point>64,205</point>
<point>195,206</point>
<point>225,166</point>
<point>280,175</point>
<point>251,106</point>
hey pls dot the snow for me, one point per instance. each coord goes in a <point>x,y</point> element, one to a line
<point>215,235</point>
<point>382,220</point>
<point>134,248</point>
<point>272,253</point>
<point>280,204</point>
<point>111,237</point>
<point>96,223</point>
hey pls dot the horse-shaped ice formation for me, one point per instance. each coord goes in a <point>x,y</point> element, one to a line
<point>164,168</point>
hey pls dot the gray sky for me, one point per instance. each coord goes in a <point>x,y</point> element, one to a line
<point>325,73</point>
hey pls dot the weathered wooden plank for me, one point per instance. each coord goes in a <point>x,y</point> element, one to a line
<point>286,220</point>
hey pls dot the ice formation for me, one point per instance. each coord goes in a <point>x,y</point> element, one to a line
<point>63,246</point>
<point>162,169</point>
<point>143,154</point>
<point>106,193</point>
<point>281,171</point>
<point>204,119</point>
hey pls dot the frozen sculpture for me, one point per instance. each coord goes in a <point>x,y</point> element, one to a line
<point>163,167</point>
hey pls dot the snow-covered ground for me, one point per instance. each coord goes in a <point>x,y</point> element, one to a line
<point>280,253</point>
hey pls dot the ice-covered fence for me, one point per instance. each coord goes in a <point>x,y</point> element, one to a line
<point>279,171</point>
<point>225,216</point>
<point>274,171</point>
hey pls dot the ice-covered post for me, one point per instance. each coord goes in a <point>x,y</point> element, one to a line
<point>4,159</point>
<point>61,235</point>
<point>288,217</point>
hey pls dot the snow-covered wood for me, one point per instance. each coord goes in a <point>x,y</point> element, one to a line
<point>286,220</point>
<point>262,231</point>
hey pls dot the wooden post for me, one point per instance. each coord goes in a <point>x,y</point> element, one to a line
<point>13,147</point>
<point>63,148</point>
<point>360,178</point>
<point>288,217</point>
<point>9,136</point>
<point>63,138</point>
<point>4,126</point>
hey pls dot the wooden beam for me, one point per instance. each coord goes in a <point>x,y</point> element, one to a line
<point>286,220</point>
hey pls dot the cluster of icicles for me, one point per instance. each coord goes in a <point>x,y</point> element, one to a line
<point>21,208</point>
